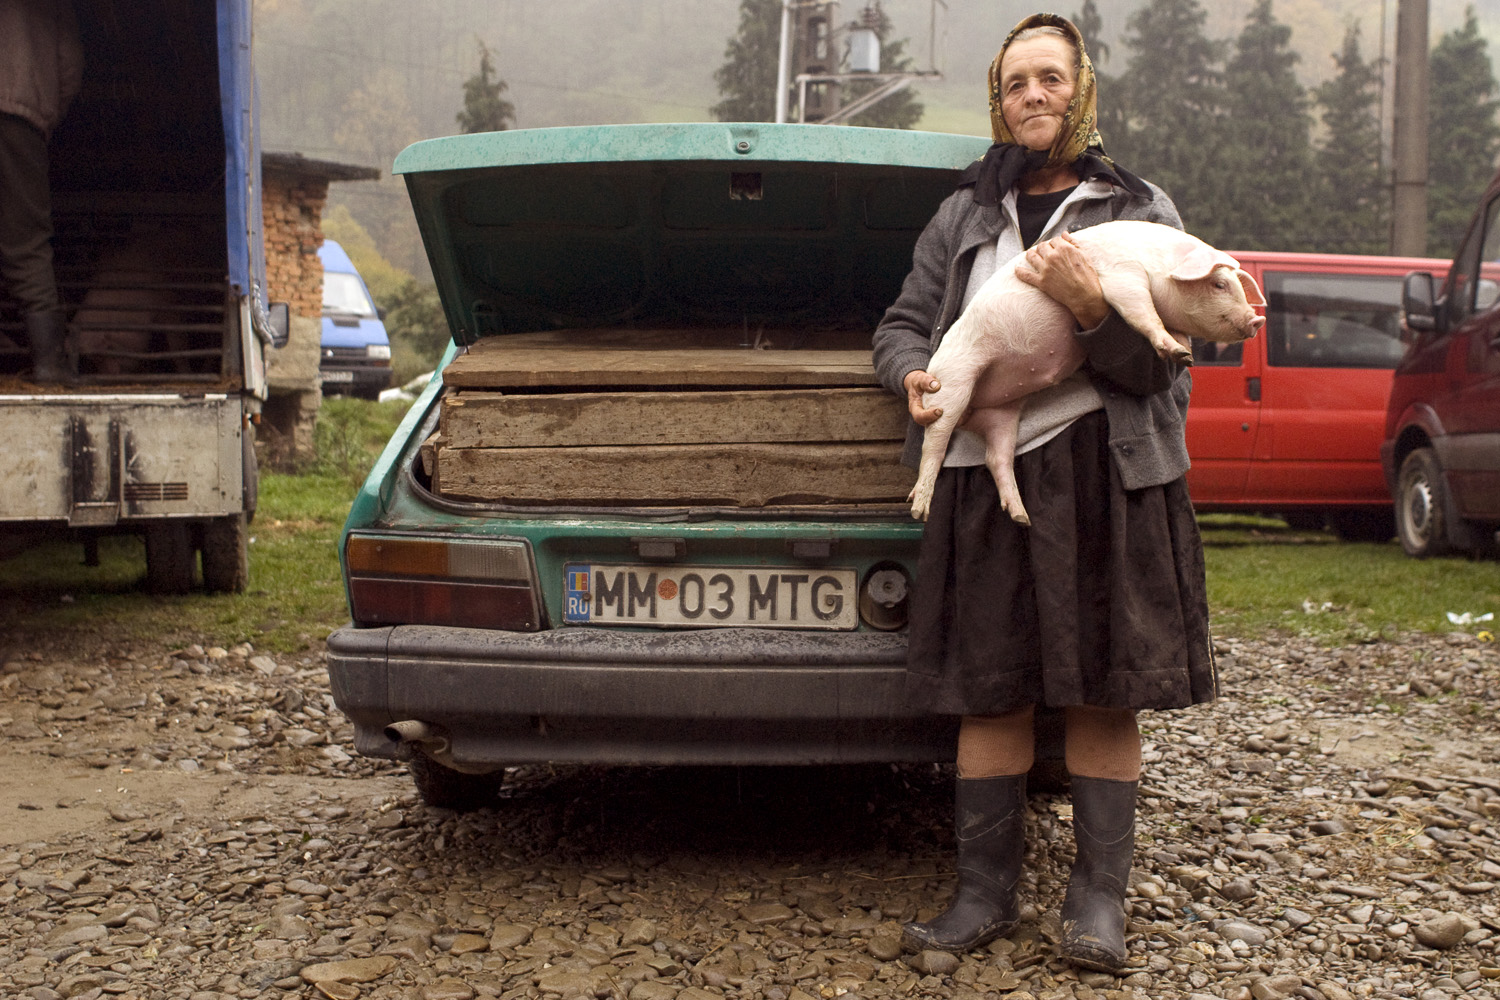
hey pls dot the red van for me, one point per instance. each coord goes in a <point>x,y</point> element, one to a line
<point>1290,423</point>
<point>1442,440</point>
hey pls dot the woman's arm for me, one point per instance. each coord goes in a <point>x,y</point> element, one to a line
<point>1118,352</point>
<point>902,343</point>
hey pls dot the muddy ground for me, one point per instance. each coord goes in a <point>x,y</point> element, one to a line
<point>193,823</point>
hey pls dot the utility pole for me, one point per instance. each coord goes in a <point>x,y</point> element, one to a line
<point>815,55</point>
<point>1409,142</point>
<point>782,78</point>
<point>811,55</point>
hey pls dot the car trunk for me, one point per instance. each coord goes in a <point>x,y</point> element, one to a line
<point>691,416</point>
<point>672,315</point>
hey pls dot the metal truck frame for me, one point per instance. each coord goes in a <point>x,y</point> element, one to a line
<point>161,269</point>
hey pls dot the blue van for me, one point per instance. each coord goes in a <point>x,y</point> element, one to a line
<point>356,353</point>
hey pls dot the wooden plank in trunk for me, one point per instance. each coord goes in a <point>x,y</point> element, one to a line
<point>476,419</point>
<point>502,363</point>
<point>749,475</point>
<point>681,338</point>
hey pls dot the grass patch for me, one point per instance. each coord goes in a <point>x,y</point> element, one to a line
<point>1264,577</point>
<point>295,596</point>
<point>350,435</point>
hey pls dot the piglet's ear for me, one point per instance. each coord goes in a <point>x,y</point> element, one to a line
<point>1200,262</point>
<point>1252,290</point>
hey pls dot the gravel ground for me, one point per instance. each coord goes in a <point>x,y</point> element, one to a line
<point>192,824</point>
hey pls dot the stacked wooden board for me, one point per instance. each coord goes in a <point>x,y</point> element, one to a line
<point>573,419</point>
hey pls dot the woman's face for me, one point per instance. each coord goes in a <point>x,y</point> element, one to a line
<point>1037,80</point>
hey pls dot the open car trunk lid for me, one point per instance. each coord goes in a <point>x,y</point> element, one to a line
<point>672,314</point>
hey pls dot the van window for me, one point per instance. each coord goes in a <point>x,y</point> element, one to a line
<point>343,295</point>
<point>1474,272</point>
<point>1333,320</point>
<point>1207,352</point>
<point>1487,290</point>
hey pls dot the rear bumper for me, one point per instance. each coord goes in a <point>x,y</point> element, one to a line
<point>731,696</point>
<point>97,460</point>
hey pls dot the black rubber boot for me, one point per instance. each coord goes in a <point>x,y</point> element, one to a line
<point>48,334</point>
<point>990,821</point>
<point>1093,911</point>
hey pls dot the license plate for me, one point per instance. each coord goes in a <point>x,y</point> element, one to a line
<point>338,376</point>
<point>710,596</point>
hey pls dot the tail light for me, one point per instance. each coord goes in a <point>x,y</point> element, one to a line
<point>400,579</point>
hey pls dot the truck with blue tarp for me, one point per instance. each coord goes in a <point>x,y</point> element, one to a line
<point>160,265</point>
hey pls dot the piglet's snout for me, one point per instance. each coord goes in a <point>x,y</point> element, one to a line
<point>1242,328</point>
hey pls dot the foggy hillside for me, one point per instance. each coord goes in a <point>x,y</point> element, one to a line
<point>593,61</point>
<point>358,80</point>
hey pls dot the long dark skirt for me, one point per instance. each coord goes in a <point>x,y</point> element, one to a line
<point>1101,601</point>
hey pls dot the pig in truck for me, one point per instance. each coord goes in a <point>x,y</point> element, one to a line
<point>155,174</point>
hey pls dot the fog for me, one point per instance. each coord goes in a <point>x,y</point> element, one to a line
<point>357,80</point>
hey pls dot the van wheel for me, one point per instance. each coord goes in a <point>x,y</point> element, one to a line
<point>226,556</point>
<point>1363,524</point>
<point>444,788</point>
<point>1421,506</point>
<point>170,562</point>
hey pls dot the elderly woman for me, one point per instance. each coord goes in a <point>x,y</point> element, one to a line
<point>1099,607</point>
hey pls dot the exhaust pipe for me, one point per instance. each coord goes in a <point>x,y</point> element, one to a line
<point>412,736</point>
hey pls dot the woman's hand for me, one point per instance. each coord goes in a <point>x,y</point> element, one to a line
<point>916,383</point>
<point>1059,268</point>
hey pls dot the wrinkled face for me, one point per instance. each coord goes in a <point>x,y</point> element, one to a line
<point>1037,80</point>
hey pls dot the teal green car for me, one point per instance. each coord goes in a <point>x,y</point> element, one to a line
<point>649,510</point>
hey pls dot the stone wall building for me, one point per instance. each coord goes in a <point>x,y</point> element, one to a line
<point>294,190</point>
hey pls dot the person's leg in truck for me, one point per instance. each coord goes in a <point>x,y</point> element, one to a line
<point>26,246</point>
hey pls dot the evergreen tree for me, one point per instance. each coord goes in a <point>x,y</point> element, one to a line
<point>1353,200</point>
<point>901,109</point>
<point>1091,26</point>
<point>1170,94</point>
<point>1463,137</point>
<point>747,80</point>
<point>1266,152</point>
<point>484,109</point>
<point>1111,106</point>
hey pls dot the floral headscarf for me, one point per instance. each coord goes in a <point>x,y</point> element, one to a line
<point>1078,141</point>
<point>1079,128</point>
